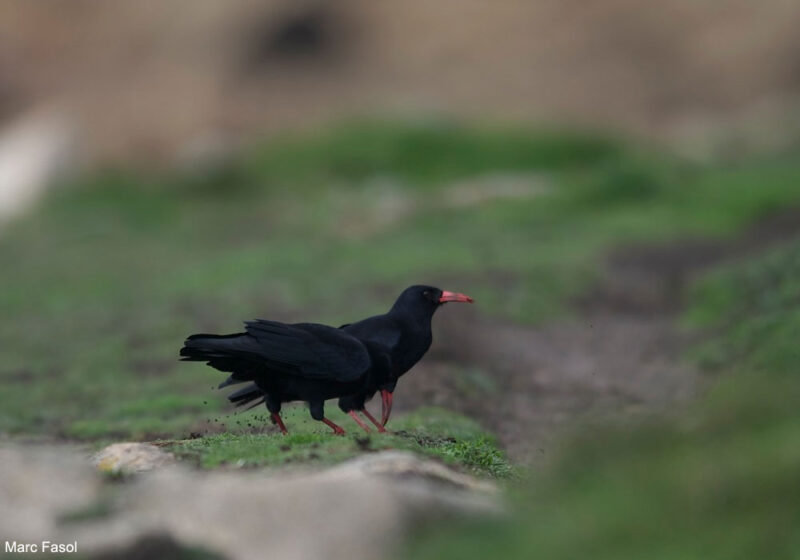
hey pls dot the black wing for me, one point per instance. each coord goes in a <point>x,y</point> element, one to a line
<point>311,350</point>
<point>305,349</point>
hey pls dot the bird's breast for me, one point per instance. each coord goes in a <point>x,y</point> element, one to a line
<point>410,353</point>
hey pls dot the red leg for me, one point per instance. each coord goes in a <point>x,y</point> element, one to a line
<point>369,416</point>
<point>276,418</point>
<point>386,397</point>
<point>337,430</point>
<point>358,420</point>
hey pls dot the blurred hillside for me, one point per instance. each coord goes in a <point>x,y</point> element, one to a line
<point>159,80</point>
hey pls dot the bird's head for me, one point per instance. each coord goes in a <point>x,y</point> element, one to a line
<point>418,302</point>
<point>427,299</point>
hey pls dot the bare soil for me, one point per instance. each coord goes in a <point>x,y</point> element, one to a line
<point>621,352</point>
<point>545,378</point>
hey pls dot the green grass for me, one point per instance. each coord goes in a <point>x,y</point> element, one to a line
<point>757,304</point>
<point>101,284</point>
<point>720,482</point>
<point>422,155</point>
<point>449,437</point>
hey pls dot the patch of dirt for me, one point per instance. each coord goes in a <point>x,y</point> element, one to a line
<point>622,354</point>
<point>546,376</point>
<point>149,367</point>
<point>23,375</point>
<point>652,278</point>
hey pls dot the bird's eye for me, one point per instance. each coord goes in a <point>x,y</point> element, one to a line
<point>426,293</point>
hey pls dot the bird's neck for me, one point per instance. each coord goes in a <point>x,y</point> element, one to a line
<point>413,322</point>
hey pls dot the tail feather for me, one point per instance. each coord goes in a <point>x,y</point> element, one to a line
<point>247,395</point>
<point>255,404</point>
<point>231,380</point>
<point>229,353</point>
<point>201,347</point>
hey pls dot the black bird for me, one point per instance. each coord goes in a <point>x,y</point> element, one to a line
<point>406,332</point>
<point>300,362</point>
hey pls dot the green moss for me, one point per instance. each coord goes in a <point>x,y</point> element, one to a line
<point>109,275</point>
<point>755,305</point>
<point>432,432</point>
<point>422,154</point>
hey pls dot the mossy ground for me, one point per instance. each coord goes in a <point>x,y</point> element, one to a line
<point>437,433</point>
<point>104,280</point>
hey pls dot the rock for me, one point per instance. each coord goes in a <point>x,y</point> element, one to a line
<point>40,485</point>
<point>33,151</point>
<point>421,483</point>
<point>355,511</point>
<point>131,458</point>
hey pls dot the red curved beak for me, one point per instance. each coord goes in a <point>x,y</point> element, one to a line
<point>453,296</point>
<point>386,405</point>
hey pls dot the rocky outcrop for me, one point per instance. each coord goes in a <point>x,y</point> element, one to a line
<point>128,458</point>
<point>356,510</point>
<point>35,151</point>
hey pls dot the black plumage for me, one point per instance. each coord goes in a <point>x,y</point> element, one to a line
<point>406,332</point>
<point>304,361</point>
<point>313,362</point>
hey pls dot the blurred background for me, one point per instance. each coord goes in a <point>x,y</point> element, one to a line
<point>155,81</point>
<point>617,184</point>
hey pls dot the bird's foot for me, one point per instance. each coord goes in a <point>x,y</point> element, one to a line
<point>337,430</point>
<point>360,422</point>
<point>276,419</point>
<point>371,418</point>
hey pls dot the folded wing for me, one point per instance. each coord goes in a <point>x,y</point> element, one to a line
<point>305,349</point>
